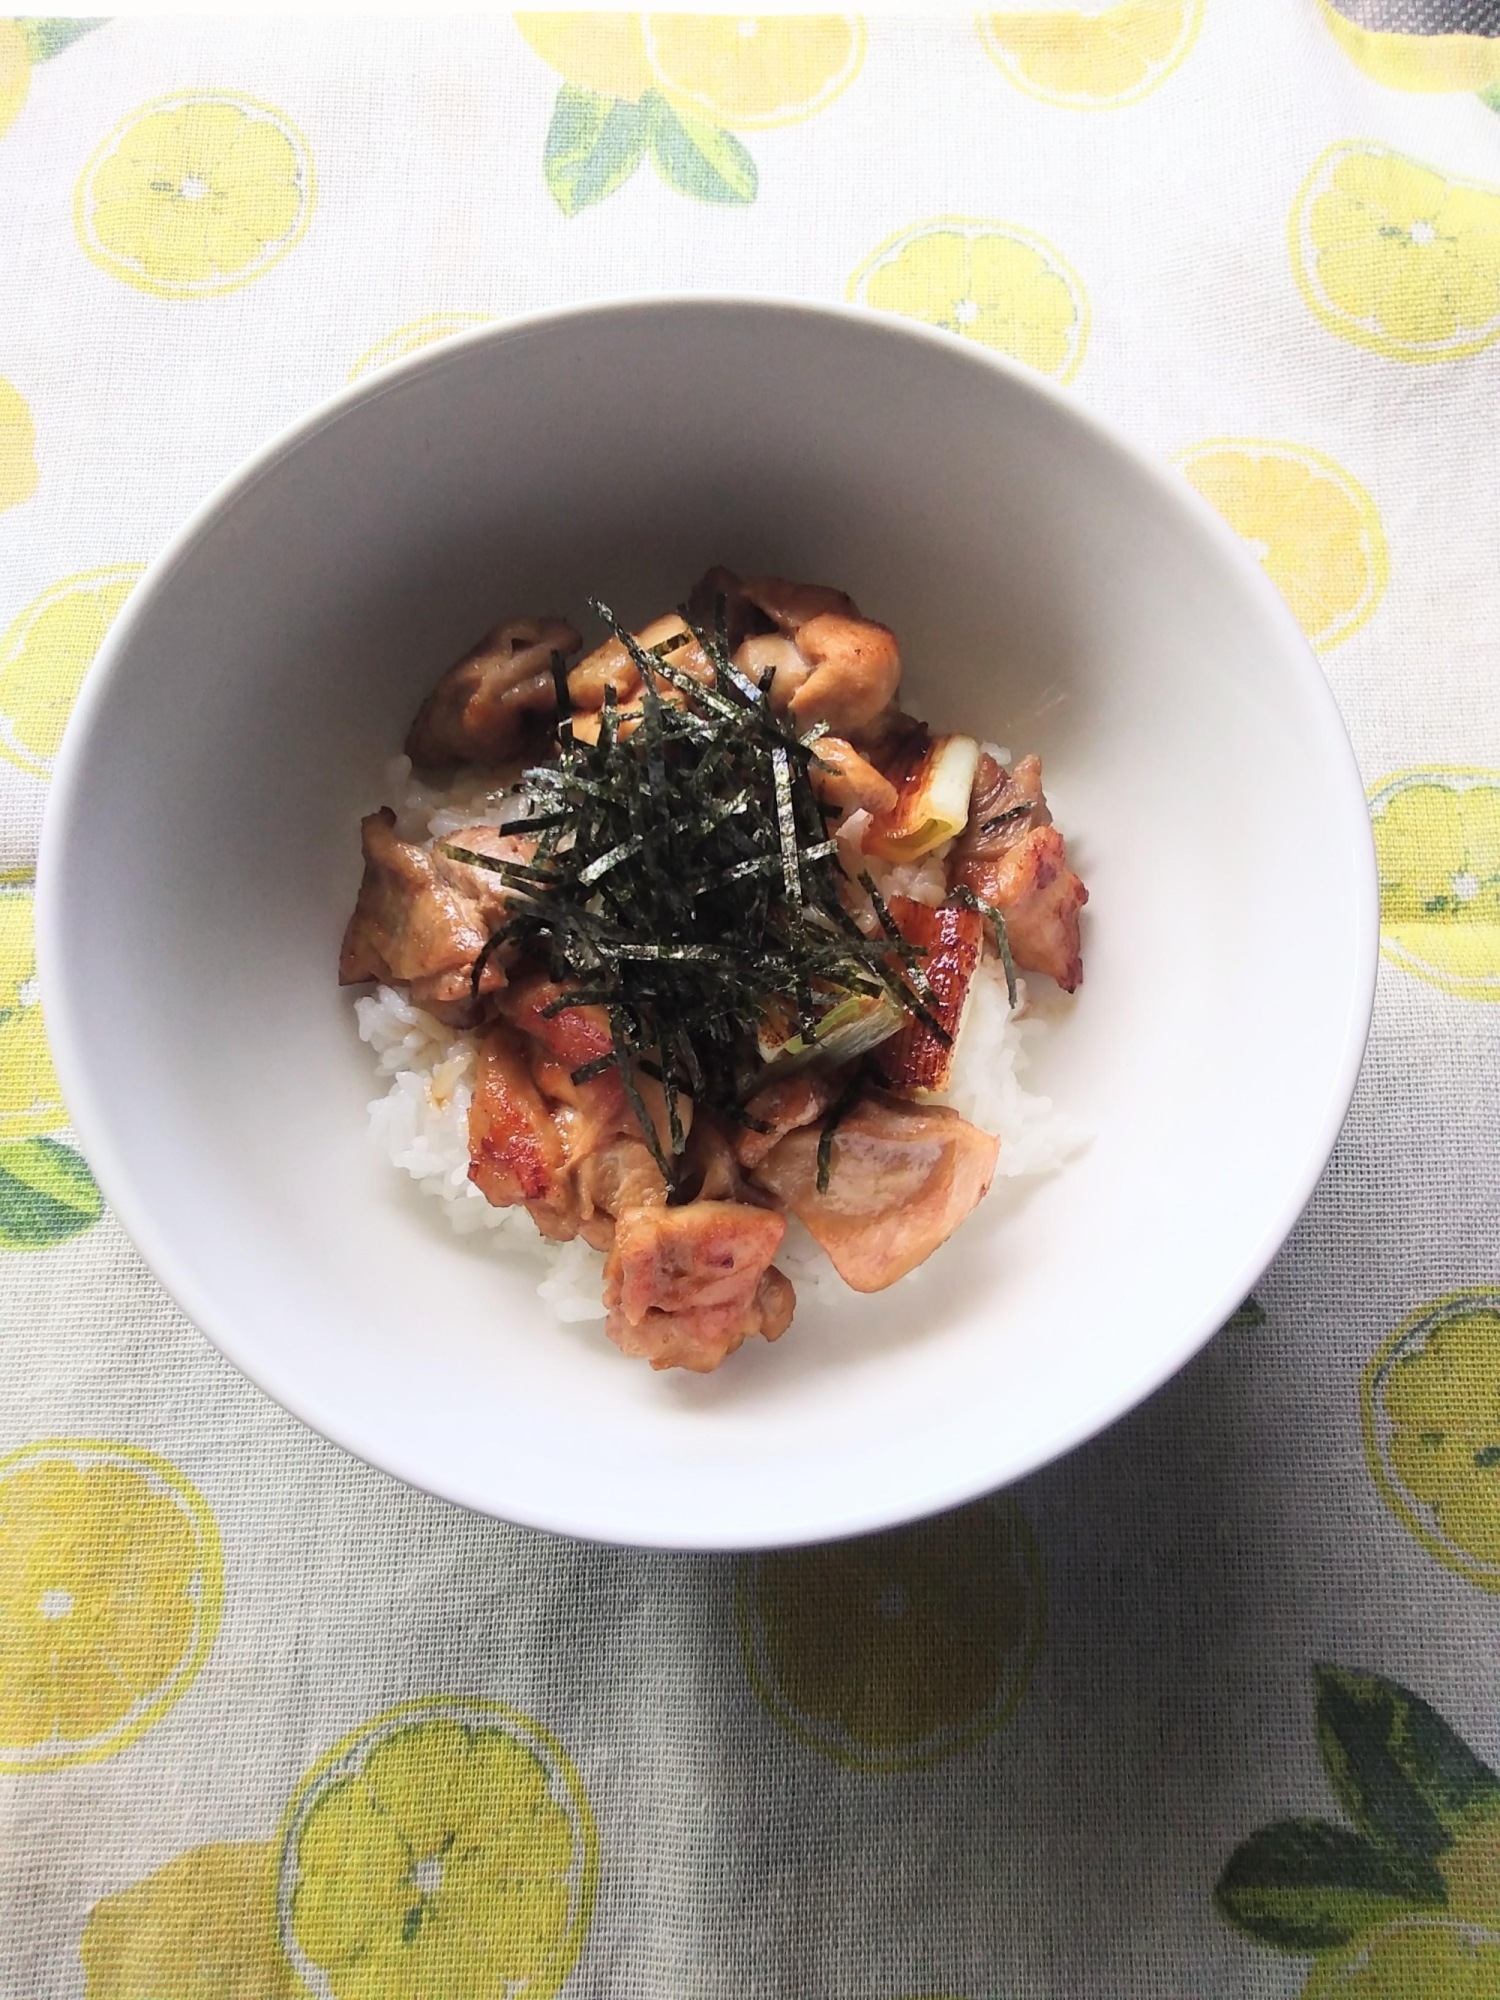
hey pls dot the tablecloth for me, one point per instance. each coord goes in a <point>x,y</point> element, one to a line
<point>1209,1708</point>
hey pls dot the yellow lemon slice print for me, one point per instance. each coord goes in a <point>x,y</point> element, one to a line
<point>417,333</point>
<point>753,70</point>
<point>1397,257</point>
<point>605,53</point>
<point>445,1848</point>
<point>201,1928</point>
<point>1314,527</point>
<point>1437,842</point>
<point>30,1100</point>
<point>18,466</point>
<point>1416,62</point>
<point>897,1650</point>
<point>111,1589</point>
<point>44,656</point>
<point>15,72</point>
<point>989,281</point>
<point>1430,1410</point>
<point>1412,1958</point>
<point>195,195</point>
<point>1096,60</point>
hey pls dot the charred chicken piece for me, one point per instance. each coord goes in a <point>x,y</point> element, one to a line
<point>1011,855</point>
<point>483,710</point>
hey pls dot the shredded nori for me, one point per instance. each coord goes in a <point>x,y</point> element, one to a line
<point>684,881</point>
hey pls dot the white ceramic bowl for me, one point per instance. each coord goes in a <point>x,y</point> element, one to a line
<point>1052,588</point>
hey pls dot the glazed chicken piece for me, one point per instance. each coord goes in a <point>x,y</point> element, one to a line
<point>421,920</point>
<point>1011,855</point>
<point>515,1149</point>
<point>618,1175</point>
<point>846,667</point>
<point>686,1286</point>
<point>611,665</point>
<point>847,782</point>
<point>916,1061</point>
<point>903,1177</point>
<point>785,1106</point>
<point>483,710</point>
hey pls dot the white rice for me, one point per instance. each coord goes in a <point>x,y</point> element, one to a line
<point>420,1122</point>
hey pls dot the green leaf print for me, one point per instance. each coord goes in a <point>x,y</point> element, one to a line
<point>1402,1775</point>
<point>594,144</point>
<point>47,1194</point>
<point>1491,97</point>
<point>1304,1885</point>
<point>48,35</point>
<point>698,159</point>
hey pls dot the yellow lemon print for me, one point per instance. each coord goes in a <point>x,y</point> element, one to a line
<point>111,1588</point>
<point>15,72</point>
<point>195,195</point>
<point>988,281</point>
<point>899,1649</point>
<point>605,53</point>
<point>1096,60</point>
<point>1314,527</point>
<point>1423,1957</point>
<point>1430,1409</point>
<point>1437,842</point>
<point>18,466</point>
<point>415,334</point>
<point>1416,62</point>
<point>201,1928</point>
<point>30,1100</point>
<point>44,656</point>
<point>445,1848</point>
<point>753,70</point>
<point>1397,257</point>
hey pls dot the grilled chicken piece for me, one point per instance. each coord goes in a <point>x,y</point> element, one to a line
<point>853,664</point>
<point>741,617</point>
<point>903,1177</point>
<point>421,920</point>
<point>480,712</point>
<point>619,1175</point>
<point>915,1061</point>
<point>844,780</point>
<point>686,1286</point>
<point>1011,855</point>
<point>785,1106</point>
<point>515,1148</point>
<point>597,1109</point>
<point>611,665</point>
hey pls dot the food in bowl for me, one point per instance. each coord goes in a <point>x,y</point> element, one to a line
<point>700,941</point>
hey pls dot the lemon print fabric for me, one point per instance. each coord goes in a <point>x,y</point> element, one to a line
<point>43,658</point>
<point>989,281</point>
<point>1401,1900</point>
<point>1091,59</point>
<point>195,195</point>
<point>1437,844</point>
<point>1313,526</point>
<point>47,1193</point>
<point>111,1588</point>
<point>1396,256</point>
<point>201,1928</point>
<point>415,335</point>
<point>24,44</point>
<point>1416,62</point>
<point>676,88</point>
<point>1430,1410</point>
<point>18,467</point>
<point>899,1649</point>
<point>447,1848</point>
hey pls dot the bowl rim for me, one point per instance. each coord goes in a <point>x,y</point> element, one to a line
<point>110,1164</point>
